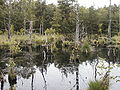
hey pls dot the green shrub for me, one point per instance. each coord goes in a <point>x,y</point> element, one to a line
<point>12,29</point>
<point>22,31</point>
<point>86,47</point>
<point>66,44</point>
<point>98,85</point>
<point>50,31</point>
<point>116,40</point>
<point>103,40</point>
<point>58,44</point>
<point>14,49</point>
<point>54,49</point>
<point>1,32</point>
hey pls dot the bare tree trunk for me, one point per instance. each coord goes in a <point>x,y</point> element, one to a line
<point>30,32</point>
<point>119,17</point>
<point>46,39</point>
<point>110,20</point>
<point>9,20</point>
<point>24,24</point>
<point>77,24</point>
<point>9,33</point>
<point>24,11</point>
<point>5,24</point>
<point>40,29</point>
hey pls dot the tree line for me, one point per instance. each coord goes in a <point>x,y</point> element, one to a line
<point>61,17</point>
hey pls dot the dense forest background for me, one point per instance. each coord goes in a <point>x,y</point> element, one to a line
<point>62,17</point>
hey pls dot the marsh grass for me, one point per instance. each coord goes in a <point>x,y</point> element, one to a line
<point>116,39</point>
<point>103,40</point>
<point>98,85</point>
<point>14,44</point>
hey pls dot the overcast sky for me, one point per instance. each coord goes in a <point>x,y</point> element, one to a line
<point>88,3</point>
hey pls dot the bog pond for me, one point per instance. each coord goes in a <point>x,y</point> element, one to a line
<point>37,68</point>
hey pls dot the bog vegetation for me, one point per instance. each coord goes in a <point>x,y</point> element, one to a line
<point>68,26</point>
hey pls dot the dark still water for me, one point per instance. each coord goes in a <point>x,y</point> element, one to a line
<point>36,68</point>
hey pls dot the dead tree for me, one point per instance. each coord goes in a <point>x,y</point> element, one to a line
<point>40,29</point>
<point>119,17</point>
<point>77,24</point>
<point>9,18</point>
<point>30,32</point>
<point>41,26</point>
<point>110,20</point>
<point>24,22</point>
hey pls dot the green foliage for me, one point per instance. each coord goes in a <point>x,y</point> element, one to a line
<point>102,40</point>
<point>50,31</point>
<point>1,32</point>
<point>4,41</point>
<point>16,40</point>
<point>118,33</point>
<point>100,29</point>
<point>15,49</point>
<point>46,39</point>
<point>60,17</point>
<point>116,40</point>
<point>66,44</point>
<point>75,54</point>
<point>11,63</point>
<point>58,44</point>
<point>20,39</point>
<point>54,49</point>
<point>12,45</point>
<point>39,39</point>
<point>22,31</point>
<point>86,47</point>
<point>98,85</point>
<point>12,29</point>
<point>64,17</point>
<point>56,20</point>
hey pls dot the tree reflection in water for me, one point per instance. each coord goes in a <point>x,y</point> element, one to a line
<point>2,80</point>
<point>43,69</point>
<point>32,58</point>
